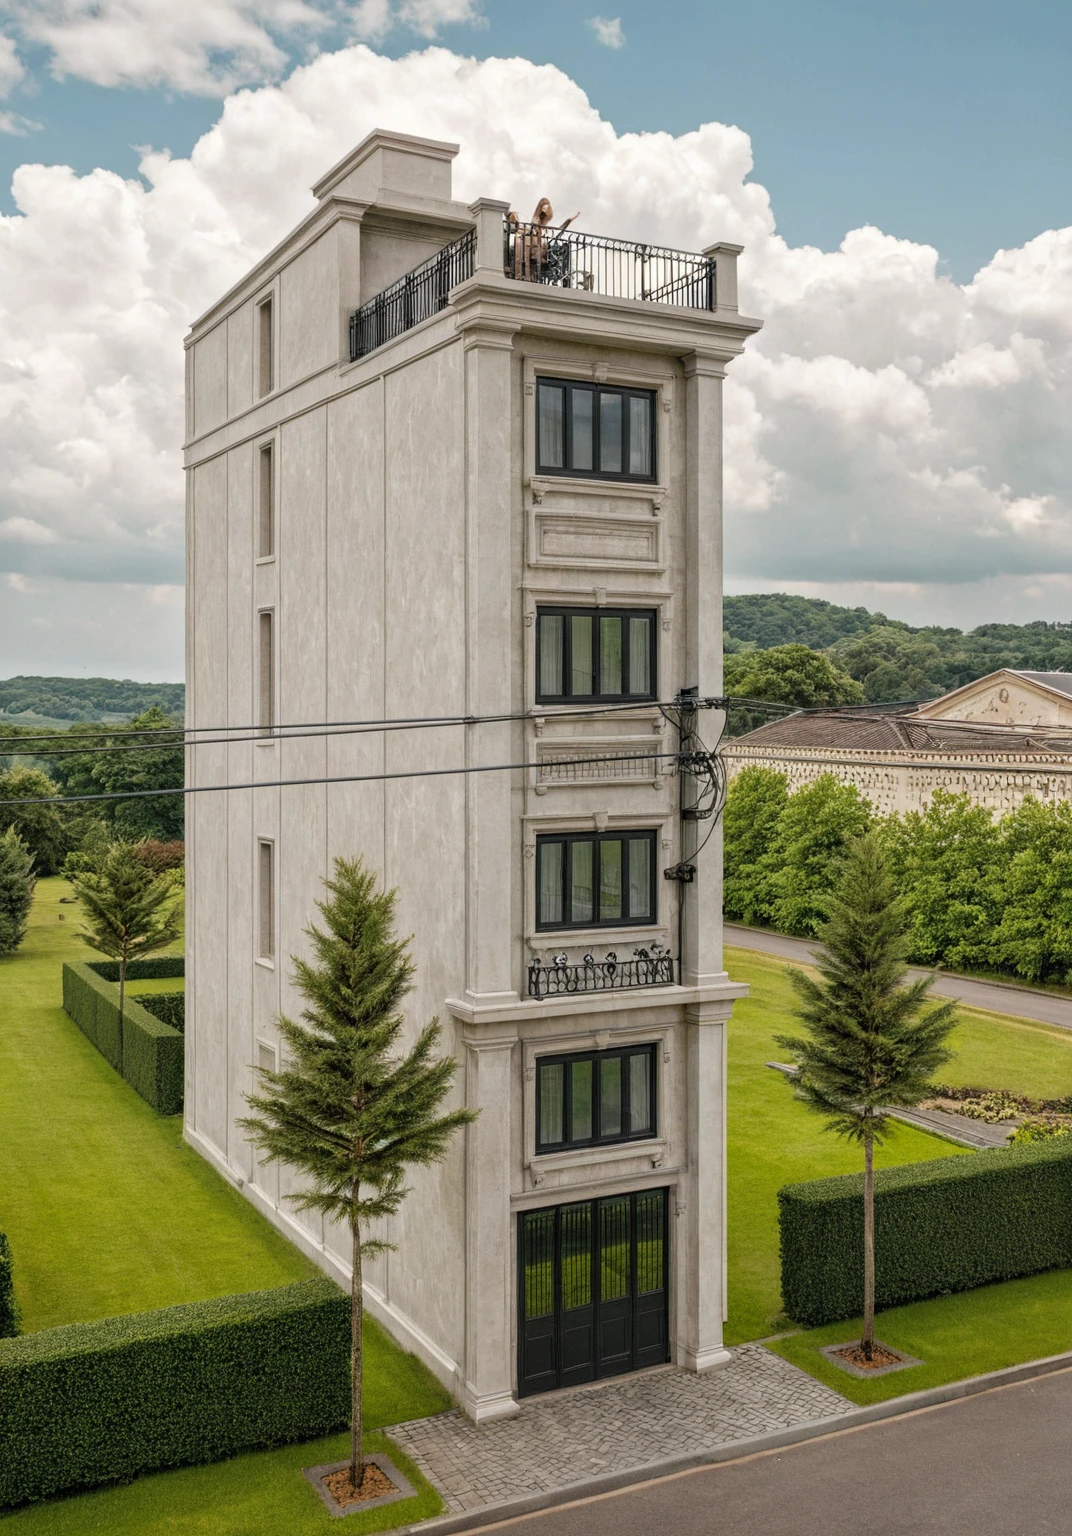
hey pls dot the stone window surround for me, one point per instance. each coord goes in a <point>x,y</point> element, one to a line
<point>544,939</point>
<point>270,439</point>
<point>604,371</point>
<point>536,595</point>
<point>270,291</point>
<point>654,1148</point>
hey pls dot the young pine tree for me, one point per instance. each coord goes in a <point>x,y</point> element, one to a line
<point>129,911</point>
<point>870,1045</point>
<point>348,1111</point>
<point>17,880</point>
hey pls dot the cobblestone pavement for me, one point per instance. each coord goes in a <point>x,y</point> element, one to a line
<point>611,1427</point>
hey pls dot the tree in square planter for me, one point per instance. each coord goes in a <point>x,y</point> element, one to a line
<point>870,1045</point>
<point>347,1110</point>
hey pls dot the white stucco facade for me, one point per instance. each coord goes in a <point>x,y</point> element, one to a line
<point>410,545</point>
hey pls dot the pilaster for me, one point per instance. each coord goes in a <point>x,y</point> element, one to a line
<point>488,1388</point>
<point>701,1195</point>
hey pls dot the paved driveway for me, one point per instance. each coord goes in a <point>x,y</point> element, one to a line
<point>1019,1002</point>
<point>999,1464</point>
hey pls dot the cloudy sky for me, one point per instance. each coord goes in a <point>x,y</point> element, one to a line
<point>898,434</point>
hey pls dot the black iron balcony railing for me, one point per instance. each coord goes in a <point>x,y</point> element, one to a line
<point>652,967</point>
<point>621,269</point>
<point>416,296</point>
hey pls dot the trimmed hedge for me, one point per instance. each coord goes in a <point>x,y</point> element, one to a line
<point>102,1402</point>
<point>943,1226</point>
<point>156,968</point>
<point>169,1007</point>
<point>9,1307</point>
<point>152,1050</point>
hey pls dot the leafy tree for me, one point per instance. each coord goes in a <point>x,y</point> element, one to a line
<point>129,911</point>
<point>87,698</point>
<point>1032,889</point>
<point>869,1045</point>
<point>755,800</point>
<point>945,861</point>
<point>17,880</point>
<point>815,827</point>
<point>41,826</point>
<point>791,674</point>
<point>765,619</point>
<point>349,1112</point>
<point>134,762</point>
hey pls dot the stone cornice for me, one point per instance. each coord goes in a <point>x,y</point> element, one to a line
<point>995,761</point>
<point>580,1005</point>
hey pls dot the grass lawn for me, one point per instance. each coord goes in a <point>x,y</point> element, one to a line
<point>156,984</point>
<point>774,1140</point>
<point>108,1212</point>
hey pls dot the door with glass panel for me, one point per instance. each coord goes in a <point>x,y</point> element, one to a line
<point>593,1289</point>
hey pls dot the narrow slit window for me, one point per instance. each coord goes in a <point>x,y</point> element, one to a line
<point>265,347</point>
<point>593,654</point>
<point>266,900</point>
<point>266,669</point>
<point>266,502</point>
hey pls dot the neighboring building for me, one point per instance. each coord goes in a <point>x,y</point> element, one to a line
<point>494,490</point>
<point>1007,697</point>
<point>899,761</point>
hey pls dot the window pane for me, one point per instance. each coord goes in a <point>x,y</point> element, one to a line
<point>550,862</point>
<point>640,1092</point>
<point>639,436</point>
<point>551,410</point>
<point>582,906</point>
<point>640,877</point>
<point>610,655</point>
<point>551,633</point>
<point>582,402</point>
<point>610,433</point>
<point>610,879</point>
<point>581,1101</point>
<point>576,1260</point>
<point>614,1248</point>
<point>551,1078</point>
<point>610,1096</point>
<point>581,675</point>
<point>639,655</point>
<point>649,1231</point>
<point>538,1249</point>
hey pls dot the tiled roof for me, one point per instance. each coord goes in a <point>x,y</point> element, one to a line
<point>849,731</point>
<point>1060,681</point>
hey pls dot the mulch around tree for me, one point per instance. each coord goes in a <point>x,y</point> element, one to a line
<point>374,1485</point>
<point>882,1357</point>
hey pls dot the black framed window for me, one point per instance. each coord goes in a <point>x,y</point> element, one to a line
<point>597,430</point>
<point>595,1097</point>
<point>595,654</point>
<point>595,879</point>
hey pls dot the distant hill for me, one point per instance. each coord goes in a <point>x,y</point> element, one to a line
<point>64,700</point>
<point>894,661</point>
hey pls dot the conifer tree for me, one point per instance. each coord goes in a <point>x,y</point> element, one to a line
<point>129,911</point>
<point>17,880</point>
<point>347,1110</point>
<point>870,1044</point>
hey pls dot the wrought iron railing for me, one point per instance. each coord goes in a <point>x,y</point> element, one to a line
<point>621,269</point>
<point>652,967</point>
<point>416,296</point>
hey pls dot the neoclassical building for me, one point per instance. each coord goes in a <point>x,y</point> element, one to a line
<point>997,740</point>
<point>459,478</point>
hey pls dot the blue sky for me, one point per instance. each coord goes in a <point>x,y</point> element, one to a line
<point>947,122</point>
<point>897,435</point>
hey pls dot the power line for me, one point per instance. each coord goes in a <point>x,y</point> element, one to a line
<point>312,730</point>
<point>346,778</point>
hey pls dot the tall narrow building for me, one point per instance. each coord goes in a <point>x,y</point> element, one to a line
<point>454,598</point>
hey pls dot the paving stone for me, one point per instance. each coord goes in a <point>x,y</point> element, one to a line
<point>564,1436</point>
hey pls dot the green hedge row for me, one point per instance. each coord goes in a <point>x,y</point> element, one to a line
<point>152,1050</point>
<point>102,1402</point>
<point>943,1226</point>
<point>9,1309</point>
<point>170,1007</point>
<point>157,968</point>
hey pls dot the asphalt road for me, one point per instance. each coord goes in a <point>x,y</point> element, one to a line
<point>998,1464</point>
<point>1018,1002</point>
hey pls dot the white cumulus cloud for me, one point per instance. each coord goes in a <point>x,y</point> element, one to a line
<point>887,426</point>
<point>608,30</point>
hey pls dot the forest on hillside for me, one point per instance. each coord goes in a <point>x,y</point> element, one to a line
<point>88,698</point>
<point>891,661</point>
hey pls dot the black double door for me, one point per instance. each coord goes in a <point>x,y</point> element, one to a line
<point>592,1289</point>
